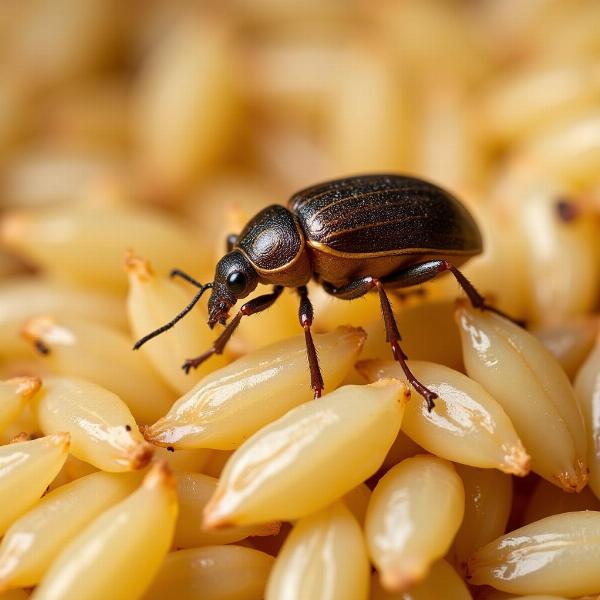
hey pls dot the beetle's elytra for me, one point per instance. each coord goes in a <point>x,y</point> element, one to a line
<point>352,235</point>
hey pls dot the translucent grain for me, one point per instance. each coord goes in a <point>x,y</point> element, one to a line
<point>102,355</point>
<point>153,301</point>
<point>194,461</point>
<point>25,297</point>
<point>193,492</point>
<point>72,244</point>
<point>186,104</point>
<point>537,397</point>
<point>547,500</point>
<point>570,342</point>
<point>529,100</point>
<point>414,513</point>
<point>357,501</point>
<point>587,388</point>
<point>467,425</point>
<point>33,542</point>
<point>559,235</point>
<point>556,555</point>
<point>488,501</point>
<point>103,430</point>
<point>62,40</point>
<point>370,84</point>
<point>118,554</point>
<point>14,395</point>
<point>323,558</point>
<point>232,403</point>
<point>569,150</point>
<point>310,457</point>
<point>441,582</point>
<point>212,573</point>
<point>72,469</point>
<point>403,447</point>
<point>26,469</point>
<point>419,325</point>
<point>216,462</point>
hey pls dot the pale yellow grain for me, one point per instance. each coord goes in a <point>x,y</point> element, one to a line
<point>323,558</point>
<point>357,500</point>
<point>546,500</point>
<point>441,582</point>
<point>561,270</point>
<point>467,425</point>
<point>194,490</point>
<point>368,83</point>
<point>415,510</point>
<point>587,388</point>
<point>103,355</point>
<point>488,501</point>
<point>103,430</point>
<point>118,554</point>
<point>229,405</point>
<point>192,461</point>
<point>72,243</point>
<point>537,397</point>
<point>33,541</point>
<point>186,103</point>
<point>556,555</point>
<point>154,300</point>
<point>420,326</point>
<point>14,395</point>
<point>24,297</point>
<point>310,457</point>
<point>212,573</point>
<point>570,342</point>
<point>26,469</point>
<point>531,99</point>
<point>569,150</point>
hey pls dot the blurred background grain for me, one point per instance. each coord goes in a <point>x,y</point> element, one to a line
<point>162,125</point>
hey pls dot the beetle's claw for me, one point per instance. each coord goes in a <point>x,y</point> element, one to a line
<point>189,364</point>
<point>430,403</point>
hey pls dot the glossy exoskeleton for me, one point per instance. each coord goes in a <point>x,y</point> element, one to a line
<point>352,235</point>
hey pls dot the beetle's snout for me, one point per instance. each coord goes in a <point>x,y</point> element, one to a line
<point>219,304</point>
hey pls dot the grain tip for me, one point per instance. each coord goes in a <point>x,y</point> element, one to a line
<point>20,438</point>
<point>160,475</point>
<point>154,437</point>
<point>37,329</point>
<point>140,455</point>
<point>61,440</point>
<point>575,480</point>
<point>26,387</point>
<point>517,462</point>
<point>138,267</point>
<point>213,514</point>
<point>400,579</point>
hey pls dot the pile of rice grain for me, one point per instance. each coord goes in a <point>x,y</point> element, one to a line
<point>133,138</point>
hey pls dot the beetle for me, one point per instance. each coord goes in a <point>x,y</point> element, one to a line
<point>351,235</point>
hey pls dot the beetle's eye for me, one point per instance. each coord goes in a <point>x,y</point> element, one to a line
<point>236,282</point>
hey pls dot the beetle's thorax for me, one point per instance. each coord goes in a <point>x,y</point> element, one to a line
<point>273,242</point>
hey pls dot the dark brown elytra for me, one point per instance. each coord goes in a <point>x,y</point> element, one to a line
<point>352,235</point>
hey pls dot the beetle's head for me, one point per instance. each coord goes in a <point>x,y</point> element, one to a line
<point>235,278</point>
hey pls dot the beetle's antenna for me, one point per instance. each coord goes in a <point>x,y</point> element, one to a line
<point>180,316</point>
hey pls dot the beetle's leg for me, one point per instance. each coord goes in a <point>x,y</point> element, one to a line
<point>422,272</point>
<point>251,307</point>
<point>305,315</point>
<point>178,273</point>
<point>358,288</point>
